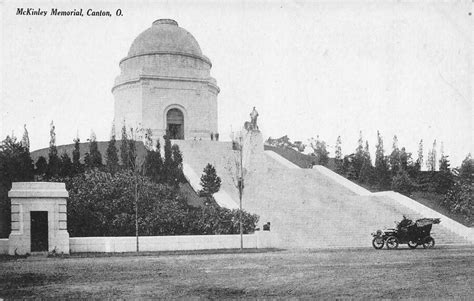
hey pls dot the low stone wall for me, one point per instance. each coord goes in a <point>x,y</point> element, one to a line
<point>3,245</point>
<point>168,243</point>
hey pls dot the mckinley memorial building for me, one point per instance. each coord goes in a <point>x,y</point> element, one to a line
<point>165,85</point>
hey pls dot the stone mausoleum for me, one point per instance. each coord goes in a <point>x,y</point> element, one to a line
<point>165,85</point>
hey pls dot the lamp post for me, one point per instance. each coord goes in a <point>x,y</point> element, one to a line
<point>241,190</point>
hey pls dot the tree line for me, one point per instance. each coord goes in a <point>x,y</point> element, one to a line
<point>102,192</point>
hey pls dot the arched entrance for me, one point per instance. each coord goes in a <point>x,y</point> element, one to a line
<point>175,124</point>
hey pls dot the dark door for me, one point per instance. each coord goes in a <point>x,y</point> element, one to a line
<point>175,124</point>
<point>39,231</point>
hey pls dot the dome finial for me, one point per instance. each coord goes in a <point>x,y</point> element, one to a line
<point>165,21</point>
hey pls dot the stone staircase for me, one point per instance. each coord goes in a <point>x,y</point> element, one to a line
<point>306,208</point>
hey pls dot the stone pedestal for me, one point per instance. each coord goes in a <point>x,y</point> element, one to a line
<point>43,199</point>
<point>253,156</point>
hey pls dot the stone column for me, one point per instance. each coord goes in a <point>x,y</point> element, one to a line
<point>38,196</point>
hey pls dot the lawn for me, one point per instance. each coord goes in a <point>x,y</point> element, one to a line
<point>440,273</point>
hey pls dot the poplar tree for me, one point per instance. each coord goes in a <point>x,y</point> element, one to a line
<point>112,152</point>
<point>76,156</point>
<point>124,153</point>
<point>366,171</point>
<point>395,157</point>
<point>419,160</point>
<point>338,160</point>
<point>53,158</point>
<point>95,155</point>
<point>359,156</point>
<point>168,160</point>
<point>382,172</point>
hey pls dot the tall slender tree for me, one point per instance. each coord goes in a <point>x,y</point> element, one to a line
<point>395,157</point>
<point>53,158</point>
<point>25,141</point>
<point>338,156</point>
<point>112,152</point>
<point>95,155</point>
<point>359,156</point>
<point>382,172</point>
<point>76,156</point>
<point>419,160</point>
<point>124,153</point>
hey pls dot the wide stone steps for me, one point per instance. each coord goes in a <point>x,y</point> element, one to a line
<point>306,209</point>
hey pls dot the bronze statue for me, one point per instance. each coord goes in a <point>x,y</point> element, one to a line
<point>253,119</point>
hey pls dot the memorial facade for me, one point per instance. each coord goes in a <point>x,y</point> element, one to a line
<point>165,85</point>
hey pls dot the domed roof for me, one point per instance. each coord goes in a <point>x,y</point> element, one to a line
<point>165,36</point>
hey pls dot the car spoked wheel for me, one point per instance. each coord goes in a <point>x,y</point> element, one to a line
<point>392,242</point>
<point>378,243</point>
<point>412,244</point>
<point>428,242</point>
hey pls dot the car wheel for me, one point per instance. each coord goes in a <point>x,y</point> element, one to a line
<point>378,243</point>
<point>428,242</point>
<point>412,244</point>
<point>392,242</point>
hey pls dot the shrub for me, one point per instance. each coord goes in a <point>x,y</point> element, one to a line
<point>103,204</point>
<point>403,183</point>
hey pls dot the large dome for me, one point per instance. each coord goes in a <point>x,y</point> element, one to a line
<point>165,36</point>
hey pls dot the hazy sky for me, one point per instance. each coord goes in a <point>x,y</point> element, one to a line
<point>322,68</point>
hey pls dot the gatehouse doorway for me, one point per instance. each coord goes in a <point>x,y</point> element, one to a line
<point>39,231</point>
<point>175,124</point>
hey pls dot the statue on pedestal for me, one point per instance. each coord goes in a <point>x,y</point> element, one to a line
<point>252,125</point>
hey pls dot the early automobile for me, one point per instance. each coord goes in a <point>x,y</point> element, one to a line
<point>407,232</point>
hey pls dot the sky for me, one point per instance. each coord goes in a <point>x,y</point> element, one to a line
<point>311,68</point>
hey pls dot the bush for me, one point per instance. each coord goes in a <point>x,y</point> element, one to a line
<point>403,183</point>
<point>459,200</point>
<point>103,204</point>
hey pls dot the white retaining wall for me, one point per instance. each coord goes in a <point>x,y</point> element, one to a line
<point>3,245</point>
<point>168,243</point>
<point>459,229</point>
<point>260,239</point>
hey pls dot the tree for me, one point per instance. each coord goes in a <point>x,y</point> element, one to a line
<point>210,182</point>
<point>112,153</point>
<point>25,141</point>
<point>153,165</point>
<point>466,171</point>
<point>382,172</point>
<point>405,159</point>
<point>419,160</point>
<point>366,171</point>
<point>320,151</point>
<point>403,183</point>
<point>66,166</point>
<point>124,153</point>
<point>132,150</point>
<point>76,156</point>
<point>395,161</point>
<point>54,161</point>
<point>431,161</point>
<point>359,156</point>
<point>177,166</point>
<point>95,155</point>
<point>338,160</point>
<point>168,160</point>
<point>41,166</point>
<point>15,165</point>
